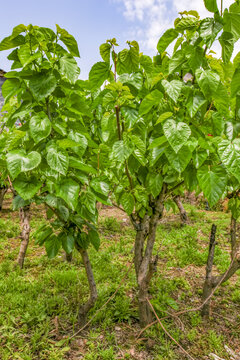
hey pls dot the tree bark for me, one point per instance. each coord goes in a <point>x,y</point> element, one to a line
<point>25,233</point>
<point>183,214</point>
<point>84,309</point>
<point>208,286</point>
<point>3,191</point>
<point>145,264</point>
<point>213,281</point>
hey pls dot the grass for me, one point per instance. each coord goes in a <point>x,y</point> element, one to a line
<point>39,304</point>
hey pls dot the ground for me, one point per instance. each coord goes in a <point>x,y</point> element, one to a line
<point>38,305</point>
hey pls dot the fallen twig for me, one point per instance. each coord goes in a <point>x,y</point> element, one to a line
<point>168,334</point>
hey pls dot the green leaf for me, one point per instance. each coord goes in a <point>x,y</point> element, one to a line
<point>180,160</point>
<point>40,126</point>
<point>235,84</point>
<point>78,164</point>
<point>99,73</point>
<point>212,181</point>
<point>232,24</point>
<point>209,29</point>
<point>128,60</point>
<point>105,52</point>
<point>10,88</point>
<point>27,186</point>
<point>199,156</point>
<point>194,103</point>
<point>42,85</point>
<point>18,161</point>
<point>100,187</point>
<point>176,61</point>
<point>227,42</point>
<point>121,151</point>
<point>68,190</point>
<point>177,134</point>
<point>94,238</point>
<point>165,40</point>
<point>163,117</point>
<point>69,68</point>
<point>229,153</point>
<point>208,81</point>
<point>52,246</point>
<point>41,234</point>
<point>69,41</point>
<point>135,80</point>
<point>152,99</point>
<point>58,159</point>
<point>173,88</point>
<point>68,242</point>
<point>154,183</point>
<point>11,42</point>
<point>211,5</point>
<point>127,202</point>
<point>90,202</point>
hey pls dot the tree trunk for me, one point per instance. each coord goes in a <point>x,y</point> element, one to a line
<point>212,282</point>
<point>3,191</point>
<point>84,309</point>
<point>208,286</point>
<point>183,214</point>
<point>145,264</point>
<point>25,232</point>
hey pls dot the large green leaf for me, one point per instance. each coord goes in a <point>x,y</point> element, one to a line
<point>78,164</point>
<point>127,202</point>
<point>42,85</point>
<point>68,242</point>
<point>99,73</point>
<point>209,29</point>
<point>69,68</point>
<point>227,42</point>
<point>11,42</point>
<point>68,190</point>
<point>52,245</point>
<point>27,186</point>
<point>154,183</point>
<point>121,151</point>
<point>173,88</point>
<point>229,153</point>
<point>211,5</point>
<point>212,181</point>
<point>152,99</point>
<point>166,39</point>
<point>69,41</point>
<point>235,84</point>
<point>208,81</point>
<point>40,126</point>
<point>194,103</point>
<point>58,159</point>
<point>18,161</point>
<point>176,61</point>
<point>10,88</point>
<point>94,238</point>
<point>180,160</point>
<point>177,134</point>
<point>105,52</point>
<point>232,24</point>
<point>128,60</point>
<point>100,186</point>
